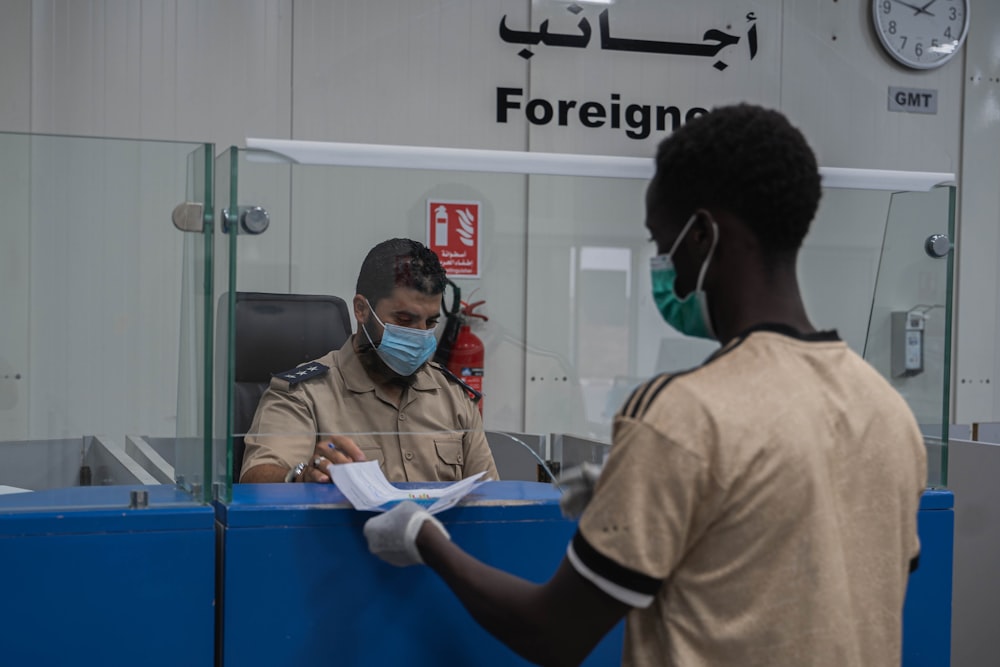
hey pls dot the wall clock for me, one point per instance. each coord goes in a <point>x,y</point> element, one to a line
<point>921,34</point>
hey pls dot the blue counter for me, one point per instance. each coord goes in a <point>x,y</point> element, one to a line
<point>927,613</point>
<point>105,585</point>
<point>302,588</point>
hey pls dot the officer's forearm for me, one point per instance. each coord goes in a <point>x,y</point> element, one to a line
<point>263,473</point>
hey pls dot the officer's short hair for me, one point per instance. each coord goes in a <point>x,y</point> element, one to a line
<point>400,263</point>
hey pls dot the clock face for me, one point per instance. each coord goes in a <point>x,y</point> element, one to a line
<point>921,33</point>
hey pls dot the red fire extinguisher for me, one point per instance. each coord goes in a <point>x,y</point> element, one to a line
<point>468,353</point>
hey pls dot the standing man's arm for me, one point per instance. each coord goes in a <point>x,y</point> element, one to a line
<point>555,623</point>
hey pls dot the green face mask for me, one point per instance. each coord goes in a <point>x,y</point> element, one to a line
<point>690,314</point>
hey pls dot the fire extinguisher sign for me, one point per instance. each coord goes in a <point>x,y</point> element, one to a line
<point>453,234</point>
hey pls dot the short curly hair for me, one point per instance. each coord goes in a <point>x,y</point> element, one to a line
<point>749,161</point>
<point>400,263</point>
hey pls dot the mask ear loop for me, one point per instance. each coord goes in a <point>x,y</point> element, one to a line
<point>365,329</point>
<point>701,279</point>
<point>684,231</point>
<point>708,259</point>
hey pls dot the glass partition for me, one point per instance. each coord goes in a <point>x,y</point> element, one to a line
<point>909,332</point>
<point>104,369</point>
<point>559,255</point>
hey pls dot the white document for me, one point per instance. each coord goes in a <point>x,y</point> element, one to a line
<point>364,485</point>
<point>12,489</point>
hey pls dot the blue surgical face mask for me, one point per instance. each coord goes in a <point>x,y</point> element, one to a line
<point>690,314</point>
<point>403,349</point>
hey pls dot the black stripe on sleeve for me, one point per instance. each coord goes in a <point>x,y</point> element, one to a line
<point>637,413</point>
<point>636,398</point>
<point>652,388</point>
<point>611,571</point>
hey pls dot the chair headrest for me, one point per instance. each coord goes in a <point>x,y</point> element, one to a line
<point>276,332</point>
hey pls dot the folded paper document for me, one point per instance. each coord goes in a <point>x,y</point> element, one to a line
<point>364,485</point>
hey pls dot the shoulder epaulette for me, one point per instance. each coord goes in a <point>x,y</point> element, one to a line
<point>475,395</point>
<point>303,372</point>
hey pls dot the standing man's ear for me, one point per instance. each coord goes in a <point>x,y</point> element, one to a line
<point>701,228</point>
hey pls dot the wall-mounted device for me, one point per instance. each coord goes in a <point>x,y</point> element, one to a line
<point>908,342</point>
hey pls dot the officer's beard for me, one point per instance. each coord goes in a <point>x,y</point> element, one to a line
<point>377,369</point>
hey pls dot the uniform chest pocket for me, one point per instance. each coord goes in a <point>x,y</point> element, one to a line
<point>450,461</point>
<point>375,454</point>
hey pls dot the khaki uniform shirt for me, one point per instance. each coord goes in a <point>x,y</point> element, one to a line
<point>760,510</point>
<point>435,433</point>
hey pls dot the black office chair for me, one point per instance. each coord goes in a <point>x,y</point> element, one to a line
<point>274,333</point>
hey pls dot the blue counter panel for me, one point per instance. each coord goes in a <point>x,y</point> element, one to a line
<point>927,613</point>
<point>106,586</point>
<point>301,587</point>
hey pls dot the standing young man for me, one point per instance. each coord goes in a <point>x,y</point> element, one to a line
<point>759,509</point>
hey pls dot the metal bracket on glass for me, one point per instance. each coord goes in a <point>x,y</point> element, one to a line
<point>248,219</point>
<point>937,245</point>
<point>138,499</point>
<point>189,217</point>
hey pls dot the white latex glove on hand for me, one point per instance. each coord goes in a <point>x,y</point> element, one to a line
<point>392,535</point>
<point>577,486</point>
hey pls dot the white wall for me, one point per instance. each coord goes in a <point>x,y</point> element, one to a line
<point>977,363</point>
<point>194,71</point>
<point>15,66</point>
<point>15,266</point>
<point>427,72</point>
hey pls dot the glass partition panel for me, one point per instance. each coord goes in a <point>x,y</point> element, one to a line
<point>224,250</point>
<point>909,333</point>
<point>560,258</point>
<point>102,351</point>
<point>322,221</point>
<point>593,332</point>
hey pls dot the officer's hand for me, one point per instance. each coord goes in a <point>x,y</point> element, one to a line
<point>392,536</point>
<point>330,449</point>
<point>577,486</point>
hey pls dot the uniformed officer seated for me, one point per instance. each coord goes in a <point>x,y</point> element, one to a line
<point>411,415</point>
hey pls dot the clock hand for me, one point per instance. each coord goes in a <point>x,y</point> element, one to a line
<point>923,10</point>
<point>917,9</point>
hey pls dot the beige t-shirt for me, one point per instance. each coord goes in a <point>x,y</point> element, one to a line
<point>434,433</point>
<point>760,510</point>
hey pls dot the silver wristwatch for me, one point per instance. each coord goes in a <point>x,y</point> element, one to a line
<point>295,472</point>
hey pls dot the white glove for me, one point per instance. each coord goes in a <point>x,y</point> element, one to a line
<point>577,486</point>
<point>392,535</point>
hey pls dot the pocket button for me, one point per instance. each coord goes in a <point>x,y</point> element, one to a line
<point>409,456</point>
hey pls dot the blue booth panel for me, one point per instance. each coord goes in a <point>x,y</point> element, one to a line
<point>927,613</point>
<point>108,585</point>
<point>301,587</point>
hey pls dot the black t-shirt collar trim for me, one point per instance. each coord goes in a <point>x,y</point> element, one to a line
<point>790,331</point>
